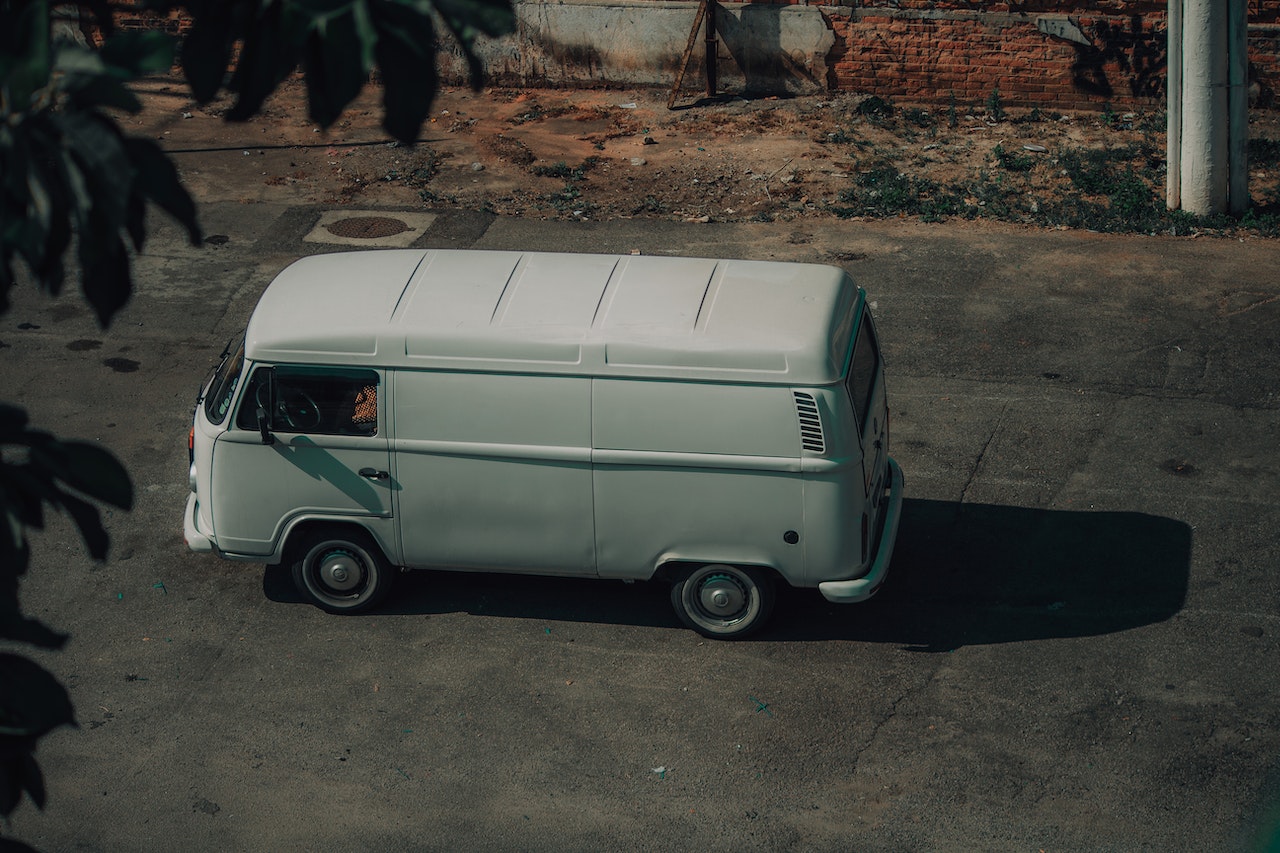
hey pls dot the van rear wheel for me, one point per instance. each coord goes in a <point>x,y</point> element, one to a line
<point>342,572</point>
<point>724,602</point>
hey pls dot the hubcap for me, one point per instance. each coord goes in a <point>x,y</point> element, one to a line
<point>722,596</point>
<point>340,571</point>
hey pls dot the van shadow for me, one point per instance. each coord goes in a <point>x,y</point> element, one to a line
<point>975,574</point>
<point>962,574</point>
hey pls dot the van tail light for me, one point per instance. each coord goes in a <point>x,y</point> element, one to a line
<point>191,445</point>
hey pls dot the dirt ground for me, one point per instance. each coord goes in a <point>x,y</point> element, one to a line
<point>608,154</point>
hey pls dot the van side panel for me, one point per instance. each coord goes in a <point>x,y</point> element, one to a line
<point>695,471</point>
<point>493,471</point>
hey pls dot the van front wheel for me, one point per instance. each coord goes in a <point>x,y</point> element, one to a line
<point>723,602</point>
<point>342,572</point>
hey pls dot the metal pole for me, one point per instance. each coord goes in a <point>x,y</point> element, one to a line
<point>1238,105</point>
<point>1173,109</point>
<point>713,48</point>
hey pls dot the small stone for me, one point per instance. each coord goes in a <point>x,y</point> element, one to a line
<point>649,140</point>
<point>477,167</point>
<point>638,161</point>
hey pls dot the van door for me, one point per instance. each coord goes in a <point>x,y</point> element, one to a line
<point>496,471</point>
<point>328,456</point>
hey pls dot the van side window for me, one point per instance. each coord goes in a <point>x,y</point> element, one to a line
<point>314,400</point>
<point>862,372</point>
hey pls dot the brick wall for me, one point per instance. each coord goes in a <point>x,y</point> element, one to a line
<point>936,54</point>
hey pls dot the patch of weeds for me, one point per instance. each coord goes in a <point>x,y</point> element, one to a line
<point>1266,224</point>
<point>568,200</point>
<point>1033,117</point>
<point>952,118</point>
<point>434,198</point>
<point>1092,171</point>
<point>876,110</point>
<point>651,204</point>
<point>884,191</point>
<point>1013,162</point>
<point>1133,204</point>
<point>537,112</point>
<point>1263,152</point>
<point>995,109</point>
<point>1154,124</point>
<point>841,136</point>
<point>922,119</point>
<point>1129,203</point>
<point>1109,117</point>
<point>992,197</point>
<point>559,170</point>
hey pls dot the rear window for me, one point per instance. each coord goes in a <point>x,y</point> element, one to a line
<point>222,388</point>
<point>861,379</point>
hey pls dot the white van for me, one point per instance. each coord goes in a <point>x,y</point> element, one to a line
<point>718,424</point>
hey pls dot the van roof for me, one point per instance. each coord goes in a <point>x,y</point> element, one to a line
<point>533,312</point>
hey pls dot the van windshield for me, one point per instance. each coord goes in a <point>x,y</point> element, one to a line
<point>222,388</point>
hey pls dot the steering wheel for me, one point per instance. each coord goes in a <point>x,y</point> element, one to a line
<point>293,407</point>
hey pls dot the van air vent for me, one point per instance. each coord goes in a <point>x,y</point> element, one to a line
<point>810,424</point>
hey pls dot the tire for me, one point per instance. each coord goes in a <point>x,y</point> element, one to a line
<point>724,602</point>
<point>342,572</point>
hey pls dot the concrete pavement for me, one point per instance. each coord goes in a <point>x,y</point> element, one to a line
<point>1076,649</point>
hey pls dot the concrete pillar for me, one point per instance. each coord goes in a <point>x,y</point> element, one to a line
<point>1208,106</point>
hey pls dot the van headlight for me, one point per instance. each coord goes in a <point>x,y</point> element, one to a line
<point>191,477</point>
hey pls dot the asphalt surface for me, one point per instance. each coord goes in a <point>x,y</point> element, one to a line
<point>1076,649</point>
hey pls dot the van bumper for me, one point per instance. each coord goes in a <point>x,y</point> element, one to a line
<point>195,540</point>
<point>860,589</point>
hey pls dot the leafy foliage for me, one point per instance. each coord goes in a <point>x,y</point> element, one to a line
<point>336,43</point>
<point>67,168</point>
<point>70,177</point>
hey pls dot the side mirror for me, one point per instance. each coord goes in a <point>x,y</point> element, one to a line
<point>264,427</point>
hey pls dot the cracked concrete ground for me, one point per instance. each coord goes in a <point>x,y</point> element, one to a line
<point>1075,650</point>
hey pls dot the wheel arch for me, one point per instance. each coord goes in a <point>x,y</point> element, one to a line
<point>302,529</point>
<point>676,568</point>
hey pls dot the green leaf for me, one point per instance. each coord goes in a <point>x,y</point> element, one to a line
<point>96,144</point>
<point>467,19</point>
<point>333,61</point>
<point>206,50</point>
<point>136,53</point>
<point>24,44</point>
<point>271,51</point>
<point>85,77</point>
<point>406,60</point>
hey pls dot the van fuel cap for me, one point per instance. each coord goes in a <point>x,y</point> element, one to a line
<point>791,537</point>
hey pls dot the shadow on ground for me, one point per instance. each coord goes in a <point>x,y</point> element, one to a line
<point>962,574</point>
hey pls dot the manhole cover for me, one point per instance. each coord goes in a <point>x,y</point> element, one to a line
<point>367,227</point>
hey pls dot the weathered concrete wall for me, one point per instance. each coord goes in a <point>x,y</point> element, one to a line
<point>763,47</point>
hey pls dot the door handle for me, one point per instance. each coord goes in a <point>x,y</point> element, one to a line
<point>373,474</point>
